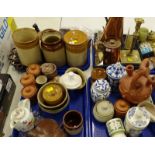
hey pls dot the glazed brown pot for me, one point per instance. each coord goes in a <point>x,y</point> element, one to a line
<point>34,69</point>
<point>136,86</point>
<point>27,79</point>
<point>121,107</point>
<point>30,92</point>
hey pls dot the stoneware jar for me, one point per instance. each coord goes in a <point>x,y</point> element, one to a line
<point>49,69</point>
<point>27,79</point>
<point>136,82</point>
<point>53,47</point>
<point>115,72</point>
<point>115,128</point>
<point>121,107</point>
<point>26,41</point>
<point>76,43</point>
<point>34,69</point>
<point>71,80</point>
<point>73,122</point>
<point>22,118</point>
<point>103,111</point>
<point>29,92</point>
<point>136,120</point>
<point>100,90</point>
<point>98,73</point>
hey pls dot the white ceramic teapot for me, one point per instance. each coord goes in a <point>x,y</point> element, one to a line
<point>22,118</point>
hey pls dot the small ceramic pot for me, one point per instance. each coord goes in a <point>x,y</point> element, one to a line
<point>27,43</point>
<point>41,80</point>
<point>27,79</point>
<point>115,72</point>
<point>121,107</point>
<point>76,43</point>
<point>34,69</point>
<point>71,80</point>
<point>30,92</point>
<point>73,122</point>
<point>49,69</point>
<point>136,120</point>
<point>103,111</point>
<point>22,118</point>
<point>100,90</point>
<point>143,34</point>
<point>115,128</point>
<point>98,73</point>
<point>79,72</point>
<point>150,108</point>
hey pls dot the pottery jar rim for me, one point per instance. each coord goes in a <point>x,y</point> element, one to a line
<point>30,42</point>
<point>78,113</point>
<point>112,43</point>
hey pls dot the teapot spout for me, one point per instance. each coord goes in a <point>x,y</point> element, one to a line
<point>129,69</point>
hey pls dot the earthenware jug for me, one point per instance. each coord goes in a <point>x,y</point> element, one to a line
<point>22,118</point>
<point>136,120</point>
<point>136,82</point>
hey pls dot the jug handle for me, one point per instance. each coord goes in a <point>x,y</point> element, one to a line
<point>25,103</point>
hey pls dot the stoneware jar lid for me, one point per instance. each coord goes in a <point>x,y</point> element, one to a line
<point>121,105</point>
<point>75,37</point>
<point>138,117</point>
<point>112,43</point>
<point>48,68</point>
<point>116,71</point>
<point>101,85</point>
<point>104,108</point>
<point>71,80</point>
<point>52,93</point>
<point>98,73</point>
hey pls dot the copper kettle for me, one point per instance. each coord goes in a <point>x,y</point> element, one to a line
<point>137,85</point>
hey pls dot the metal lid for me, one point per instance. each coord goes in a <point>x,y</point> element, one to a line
<point>104,108</point>
<point>138,117</point>
<point>112,43</point>
<point>116,71</point>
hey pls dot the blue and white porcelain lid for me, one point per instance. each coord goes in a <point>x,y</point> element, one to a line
<point>116,71</point>
<point>102,85</point>
<point>138,117</point>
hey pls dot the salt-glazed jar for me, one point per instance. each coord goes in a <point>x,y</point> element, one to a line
<point>136,120</point>
<point>100,90</point>
<point>121,107</point>
<point>115,128</point>
<point>76,43</point>
<point>53,47</point>
<point>115,72</point>
<point>103,111</point>
<point>26,41</point>
<point>22,118</point>
<point>71,80</point>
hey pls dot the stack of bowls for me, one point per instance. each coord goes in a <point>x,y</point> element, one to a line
<point>53,97</point>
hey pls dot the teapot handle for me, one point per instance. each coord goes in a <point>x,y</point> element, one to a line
<point>25,103</point>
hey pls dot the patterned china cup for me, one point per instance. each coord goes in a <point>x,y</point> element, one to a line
<point>22,118</point>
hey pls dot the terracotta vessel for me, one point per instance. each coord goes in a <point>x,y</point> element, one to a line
<point>29,92</point>
<point>121,107</point>
<point>34,69</point>
<point>46,128</point>
<point>137,85</point>
<point>27,79</point>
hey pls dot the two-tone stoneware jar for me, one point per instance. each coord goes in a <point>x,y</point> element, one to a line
<point>26,41</point>
<point>76,43</point>
<point>53,48</point>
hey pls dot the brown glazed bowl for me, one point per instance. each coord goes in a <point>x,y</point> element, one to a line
<point>121,107</point>
<point>27,79</point>
<point>34,69</point>
<point>73,122</point>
